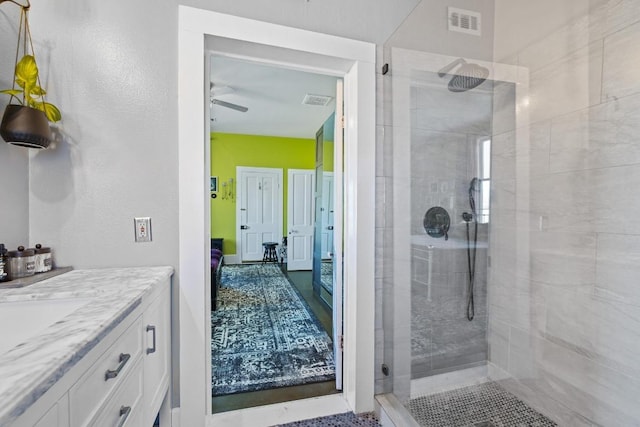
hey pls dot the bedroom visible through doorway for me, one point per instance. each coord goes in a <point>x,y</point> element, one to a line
<point>273,335</point>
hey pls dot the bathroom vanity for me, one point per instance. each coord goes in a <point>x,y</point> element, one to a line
<point>86,348</point>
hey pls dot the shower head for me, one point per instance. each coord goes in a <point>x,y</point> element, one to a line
<point>467,77</point>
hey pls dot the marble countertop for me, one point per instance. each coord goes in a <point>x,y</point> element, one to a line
<point>29,369</point>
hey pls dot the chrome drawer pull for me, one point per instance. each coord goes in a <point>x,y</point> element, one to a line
<point>124,358</point>
<point>124,414</point>
<point>152,349</point>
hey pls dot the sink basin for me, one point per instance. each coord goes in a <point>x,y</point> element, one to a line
<point>22,320</point>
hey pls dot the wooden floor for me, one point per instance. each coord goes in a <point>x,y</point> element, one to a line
<point>302,280</point>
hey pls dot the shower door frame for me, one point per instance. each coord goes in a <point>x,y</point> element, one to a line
<point>404,61</point>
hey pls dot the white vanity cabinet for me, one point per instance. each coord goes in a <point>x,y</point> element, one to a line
<point>156,354</point>
<point>122,381</point>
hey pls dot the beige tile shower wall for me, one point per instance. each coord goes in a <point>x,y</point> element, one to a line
<point>564,304</point>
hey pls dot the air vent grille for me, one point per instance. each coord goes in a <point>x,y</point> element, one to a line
<point>320,100</point>
<point>464,21</point>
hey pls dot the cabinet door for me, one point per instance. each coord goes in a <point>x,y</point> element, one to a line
<point>57,416</point>
<point>124,407</point>
<point>157,324</point>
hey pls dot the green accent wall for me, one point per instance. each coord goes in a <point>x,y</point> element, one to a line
<point>327,156</point>
<point>231,150</point>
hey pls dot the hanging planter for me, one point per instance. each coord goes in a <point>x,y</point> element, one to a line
<point>25,126</point>
<point>25,121</point>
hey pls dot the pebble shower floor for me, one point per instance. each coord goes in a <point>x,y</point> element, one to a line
<point>484,405</point>
<point>348,419</point>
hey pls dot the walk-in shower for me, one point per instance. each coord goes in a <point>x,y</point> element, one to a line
<point>442,165</point>
<point>536,149</point>
<point>442,255</point>
<point>448,163</point>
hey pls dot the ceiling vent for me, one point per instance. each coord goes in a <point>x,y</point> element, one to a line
<point>464,21</point>
<point>320,100</point>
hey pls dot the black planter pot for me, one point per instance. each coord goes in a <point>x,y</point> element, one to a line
<point>26,127</point>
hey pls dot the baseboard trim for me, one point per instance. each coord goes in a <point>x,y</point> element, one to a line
<point>449,381</point>
<point>282,413</point>
<point>232,259</point>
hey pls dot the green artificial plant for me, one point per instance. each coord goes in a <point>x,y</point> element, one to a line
<point>29,92</point>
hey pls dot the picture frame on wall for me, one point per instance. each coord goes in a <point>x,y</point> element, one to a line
<point>214,184</point>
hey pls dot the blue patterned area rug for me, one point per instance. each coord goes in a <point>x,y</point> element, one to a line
<point>326,275</point>
<point>264,334</point>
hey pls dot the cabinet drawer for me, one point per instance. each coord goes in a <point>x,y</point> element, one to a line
<point>93,388</point>
<point>124,408</point>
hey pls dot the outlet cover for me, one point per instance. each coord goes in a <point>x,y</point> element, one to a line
<point>142,229</point>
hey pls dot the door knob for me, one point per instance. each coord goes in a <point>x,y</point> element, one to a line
<point>244,227</point>
<point>330,227</point>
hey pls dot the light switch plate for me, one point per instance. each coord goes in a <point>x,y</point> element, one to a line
<point>142,229</point>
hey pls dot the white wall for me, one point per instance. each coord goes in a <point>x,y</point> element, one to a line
<point>367,20</point>
<point>112,69</point>
<point>14,196</point>
<point>426,29</point>
<point>14,170</point>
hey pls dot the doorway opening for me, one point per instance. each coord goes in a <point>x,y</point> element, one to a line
<point>202,31</point>
<point>272,161</point>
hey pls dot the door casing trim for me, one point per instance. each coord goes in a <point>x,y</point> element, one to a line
<point>355,61</point>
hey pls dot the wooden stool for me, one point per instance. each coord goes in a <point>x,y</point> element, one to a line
<point>270,254</point>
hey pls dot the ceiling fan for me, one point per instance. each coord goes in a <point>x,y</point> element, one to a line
<point>224,90</point>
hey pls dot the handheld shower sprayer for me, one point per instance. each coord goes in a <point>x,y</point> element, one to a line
<point>471,250</point>
<point>470,216</point>
<point>472,200</point>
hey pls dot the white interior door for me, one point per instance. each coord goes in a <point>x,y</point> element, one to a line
<point>300,218</point>
<point>327,215</point>
<point>259,210</point>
